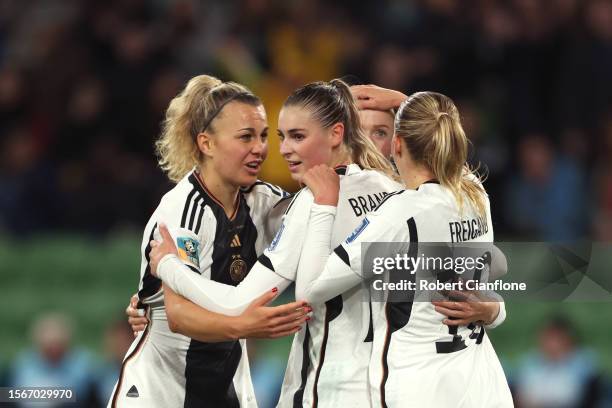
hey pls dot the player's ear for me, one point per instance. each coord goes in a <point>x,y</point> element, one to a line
<point>336,134</point>
<point>396,145</point>
<point>205,143</point>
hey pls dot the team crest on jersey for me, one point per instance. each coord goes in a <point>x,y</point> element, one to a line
<point>277,238</point>
<point>238,269</point>
<point>188,250</point>
<point>358,231</point>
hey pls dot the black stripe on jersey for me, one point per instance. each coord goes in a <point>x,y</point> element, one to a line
<point>480,335</point>
<point>342,254</point>
<point>186,208</point>
<point>150,284</point>
<point>333,308</point>
<point>210,367</point>
<point>370,336</point>
<point>276,190</point>
<point>138,347</point>
<point>282,200</point>
<point>384,200</point>
<point>432,181</point>
<point>293,201</point>
<point>193,268</point>
<point>265,261</point>
<point>209,373</point>
<point>199,223</point>
<point>298,397</point>
<point>194,210</point>
<point>398,313</point>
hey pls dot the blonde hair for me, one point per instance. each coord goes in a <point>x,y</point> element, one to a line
<point>332,102</point>
<point>190,113</point>
<point>429,124</point>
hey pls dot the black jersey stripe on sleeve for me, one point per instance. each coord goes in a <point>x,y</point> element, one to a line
<point>195,209</point>
<point>386,197</point>
<point>293,201</point>
<point>200,216</point>
<point>265,261</point>
<point>398,313</point>
<point>298,397</point>
<point>282,200</point>
<point>193,268</point>
<point>275,189</point>
<point>342,254</point>
<point>187,207</point>
<point>150,284</point>
<point>333,308</point>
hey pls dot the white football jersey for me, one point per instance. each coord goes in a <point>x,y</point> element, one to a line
<point>416,360</point>
<point>328,362</point>
<point>165,369</point>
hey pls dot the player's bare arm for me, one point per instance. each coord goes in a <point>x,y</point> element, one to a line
<point>257,321</point>
<point>376,97</point>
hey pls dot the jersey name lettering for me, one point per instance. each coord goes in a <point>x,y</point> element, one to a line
<point>364,204</point>
<point>467,230</point>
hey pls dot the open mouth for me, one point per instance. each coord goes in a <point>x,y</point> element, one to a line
<point>293,165</point>
<point>253,166</point>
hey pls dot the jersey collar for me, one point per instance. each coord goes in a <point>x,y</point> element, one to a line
<point>200,185</point>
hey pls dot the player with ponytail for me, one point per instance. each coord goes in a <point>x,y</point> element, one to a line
<point>420,357</point>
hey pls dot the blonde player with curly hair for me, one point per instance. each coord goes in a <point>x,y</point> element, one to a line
<point>212,145</point>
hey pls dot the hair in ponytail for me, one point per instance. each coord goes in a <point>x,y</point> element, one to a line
<point>190,113</point>
<point>332,102</point>
<point>430,125</point>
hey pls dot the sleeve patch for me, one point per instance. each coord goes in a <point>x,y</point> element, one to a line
<point>189,250</point>
<point>277,238</point>
<point>357,231</point>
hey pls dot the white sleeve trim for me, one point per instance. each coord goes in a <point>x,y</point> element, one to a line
<point>501,316</point>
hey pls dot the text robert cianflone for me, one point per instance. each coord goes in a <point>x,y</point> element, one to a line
<point>470,284</point>
<point>412,264</point>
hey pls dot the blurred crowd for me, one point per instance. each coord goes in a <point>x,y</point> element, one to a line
<point>53,360</point>
<point>558,372</point>
<point>84,86</point>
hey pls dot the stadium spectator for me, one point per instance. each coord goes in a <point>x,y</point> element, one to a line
<point>560,373</point>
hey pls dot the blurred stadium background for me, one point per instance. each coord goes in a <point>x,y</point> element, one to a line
<point>83,88</point>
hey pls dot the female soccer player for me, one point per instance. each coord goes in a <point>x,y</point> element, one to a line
<point>213,143</point>
<point>378,126</point>
<point>416,361</point>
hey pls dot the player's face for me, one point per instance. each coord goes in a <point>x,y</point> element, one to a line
<point>240,143</point>
<point>304,143</point>
<point>378,126</point>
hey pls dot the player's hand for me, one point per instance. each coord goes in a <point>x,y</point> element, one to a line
<point>324,183</point>
<point>377,98</point>
<point>267,322</point>
<point>468,307</point>
<point>136,317</point>
<point>161,249</point>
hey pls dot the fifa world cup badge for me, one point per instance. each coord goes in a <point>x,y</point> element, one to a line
<point>188,250</point>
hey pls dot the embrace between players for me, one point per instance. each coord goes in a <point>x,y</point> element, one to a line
<point>221,245</point>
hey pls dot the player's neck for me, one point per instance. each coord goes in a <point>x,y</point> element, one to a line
<point>341,158</point>
<point>222,191</point>
<point>416,176</point>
